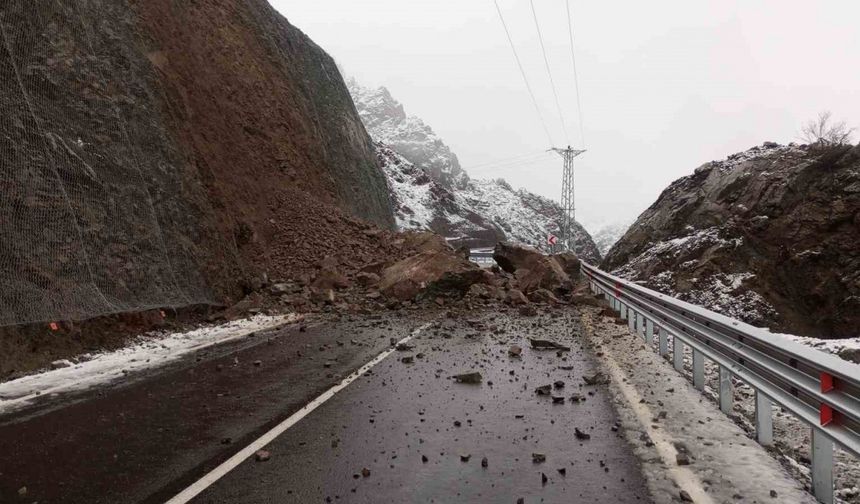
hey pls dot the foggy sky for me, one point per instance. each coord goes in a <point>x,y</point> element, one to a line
<point>665,86</point>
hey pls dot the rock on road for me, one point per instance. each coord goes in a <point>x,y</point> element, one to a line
<point>406,431</point>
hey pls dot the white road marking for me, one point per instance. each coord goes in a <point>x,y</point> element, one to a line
<point>234,461</point>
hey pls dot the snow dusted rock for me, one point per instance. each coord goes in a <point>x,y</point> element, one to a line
<point>607,235</point>
<point>769,236</point>
<point>387,122</point>
<point>430,191</point>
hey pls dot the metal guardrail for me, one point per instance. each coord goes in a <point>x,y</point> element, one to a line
<point>482,257</point>
<point>820,389</point>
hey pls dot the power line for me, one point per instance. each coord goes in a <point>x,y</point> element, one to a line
<point>510,165</point>
<point>523,73</point>
<point>575,76</point>
<point>510,160</point>
<point>548,72</point>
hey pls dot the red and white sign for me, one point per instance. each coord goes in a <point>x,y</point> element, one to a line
<point>552,239</point>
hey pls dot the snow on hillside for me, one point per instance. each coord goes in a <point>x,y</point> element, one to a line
<point>726,293</point>
<point>488,208</point>
<point>429,190</point>
<point>767,235</point>
<point>410,188</point>
<point>524,216</point>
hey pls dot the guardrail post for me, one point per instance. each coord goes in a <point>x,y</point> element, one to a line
<point>763,419</point>
<point>664,342</point>
<point>649,332</point>
<point>822,466</point>
<point>678,353</point>
<point>698,370</point>
<point>639,324</point>
<point>725,390</point>
<point>623,311</point>
<point>631,320</point>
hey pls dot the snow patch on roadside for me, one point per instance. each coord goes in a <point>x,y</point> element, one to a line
<point>151,350</point>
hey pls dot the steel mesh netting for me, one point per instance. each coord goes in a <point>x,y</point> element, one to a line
<point>94,204</point>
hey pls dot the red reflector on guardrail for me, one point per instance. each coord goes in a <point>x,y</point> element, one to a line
<point>825,414</point>
<point>826,382</point>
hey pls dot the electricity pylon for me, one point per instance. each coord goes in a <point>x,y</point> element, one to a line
<point>567,206</point>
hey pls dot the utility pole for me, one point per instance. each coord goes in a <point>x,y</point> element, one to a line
<point>567,206</point>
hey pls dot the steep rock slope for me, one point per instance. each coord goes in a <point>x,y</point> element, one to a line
<point>430,191</point>
<point>769,235</point>
<point>150,148</point>
<point>606,235</point>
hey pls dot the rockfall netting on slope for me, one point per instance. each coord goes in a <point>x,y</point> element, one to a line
<point>98,215</point>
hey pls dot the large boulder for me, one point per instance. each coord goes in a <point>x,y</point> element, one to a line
<point>533,270</point>
<point>423,241</point>
<point>570,263</point>
<point>513,256</point>
<point>431,271</point>
<point>547,274</point>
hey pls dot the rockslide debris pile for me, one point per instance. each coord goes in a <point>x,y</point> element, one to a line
<point>419,268</point>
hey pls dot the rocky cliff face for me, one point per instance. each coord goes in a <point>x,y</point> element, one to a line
<point>151,148</point>
<point>769,235</point>
<point>430,191</point>
<point>387,122</point>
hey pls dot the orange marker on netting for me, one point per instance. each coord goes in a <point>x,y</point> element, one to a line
<point>54,326</point>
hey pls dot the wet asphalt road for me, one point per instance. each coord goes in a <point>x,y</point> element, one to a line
<point>424,437</point>
<point>421,435</point>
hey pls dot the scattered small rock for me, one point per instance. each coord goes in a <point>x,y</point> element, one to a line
<point>538,344</point>
<point>596,379</point>
<point>473,377</point>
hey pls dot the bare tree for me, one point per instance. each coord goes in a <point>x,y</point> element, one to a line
<point>826,133</point>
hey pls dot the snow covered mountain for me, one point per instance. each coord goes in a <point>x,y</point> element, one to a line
<point>429,189</point>
<point>387,122</point>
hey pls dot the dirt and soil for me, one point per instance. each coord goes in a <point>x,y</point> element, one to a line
<point>153,147</point>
